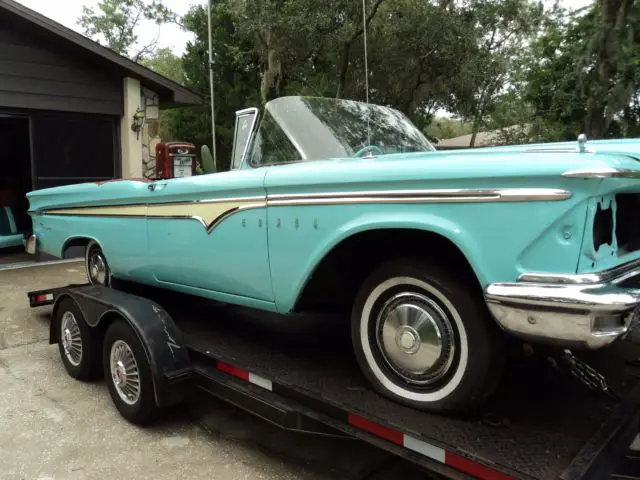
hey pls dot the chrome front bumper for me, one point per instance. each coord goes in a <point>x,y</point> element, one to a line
<point>572,311</point>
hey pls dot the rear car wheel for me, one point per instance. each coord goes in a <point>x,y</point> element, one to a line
<point>79,346</point>
<point>128,374</point>
<point>425,339</point>
<point>98,272</point>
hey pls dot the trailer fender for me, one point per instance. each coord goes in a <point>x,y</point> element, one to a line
<point>162,340</point>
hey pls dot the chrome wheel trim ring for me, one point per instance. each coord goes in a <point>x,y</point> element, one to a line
<point>97,268</point>
<point>458,369</point>
<point>71,339</point>
<point>125,374</point>
<point>415,338</point>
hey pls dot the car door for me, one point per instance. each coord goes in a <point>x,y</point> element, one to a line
<point>209,233</point>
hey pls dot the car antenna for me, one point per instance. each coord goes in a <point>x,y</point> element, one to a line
<point>366,67</point>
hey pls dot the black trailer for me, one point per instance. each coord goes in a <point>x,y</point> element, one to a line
<point>555,417</point>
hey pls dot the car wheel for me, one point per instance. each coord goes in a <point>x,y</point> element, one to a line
<point>98,271</point>
<point>128,374</point>
<point>424,339</point>
<point>79,346</point>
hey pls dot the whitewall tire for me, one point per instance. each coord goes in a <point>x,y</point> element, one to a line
<point>96,265</point>
<point>425,339</point>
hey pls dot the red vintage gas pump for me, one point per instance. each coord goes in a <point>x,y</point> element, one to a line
<point>175,159</point>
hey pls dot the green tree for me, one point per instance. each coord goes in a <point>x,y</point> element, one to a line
<point>236,76</point>
<point>501,31</point>
<point>114,23</point>
<point>166,63</point>
<point>576,84</point>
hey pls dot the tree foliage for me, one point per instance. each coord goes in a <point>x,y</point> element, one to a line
<point>536,73</point>
<point>113,23</point>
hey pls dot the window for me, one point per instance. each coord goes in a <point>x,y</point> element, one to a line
<point>271,145</point>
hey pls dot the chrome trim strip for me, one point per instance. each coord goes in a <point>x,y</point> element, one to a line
<point>373,196</point>
<point>422,196</point>
<point>603,172</point>
<point>231,212</point>
<point>322,198</point>
<point>147,204</point>
<point>217,221</point>
<point>618,273</point>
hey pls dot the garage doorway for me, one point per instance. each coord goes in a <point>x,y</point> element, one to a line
<point>15,181</point>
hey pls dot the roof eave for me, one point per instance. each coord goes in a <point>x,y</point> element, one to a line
<point>148,78</point>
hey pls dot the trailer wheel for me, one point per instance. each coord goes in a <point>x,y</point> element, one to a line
<point>98,271</point>
<point>78,345</point>
<point>424,339</point>
<point>128,374</point>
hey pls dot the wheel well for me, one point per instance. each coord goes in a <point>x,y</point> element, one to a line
<point>75,243</point>
<point>335,282</point>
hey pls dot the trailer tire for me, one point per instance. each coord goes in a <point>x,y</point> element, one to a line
<point>423,338</point>
<point>128,374</point>
<point>78,344</point>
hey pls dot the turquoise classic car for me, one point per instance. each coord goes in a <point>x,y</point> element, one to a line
<point>345,207</point>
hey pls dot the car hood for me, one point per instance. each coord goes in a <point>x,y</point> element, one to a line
<point>477,168</point>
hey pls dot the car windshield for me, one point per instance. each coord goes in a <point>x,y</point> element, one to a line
<point>295,129</point>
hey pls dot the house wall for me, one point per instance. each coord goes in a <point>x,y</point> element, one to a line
<point>34,74</point>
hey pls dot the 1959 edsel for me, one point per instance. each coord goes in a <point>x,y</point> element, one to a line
<point>340,206</point>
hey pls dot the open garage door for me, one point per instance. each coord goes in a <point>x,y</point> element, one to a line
<point>71,149</point>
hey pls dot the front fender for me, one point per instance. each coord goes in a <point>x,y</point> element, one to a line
<point>499,240</point>
<point>291,268</point>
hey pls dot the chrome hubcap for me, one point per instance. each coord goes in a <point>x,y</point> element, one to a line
<point>416,338</point>
<point>98,268</point>
<point>124,372</point>
<point>71,339</point>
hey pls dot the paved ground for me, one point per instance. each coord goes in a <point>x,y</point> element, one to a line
<point>53,427</point>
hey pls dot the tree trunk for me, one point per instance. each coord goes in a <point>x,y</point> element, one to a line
<point>613,16</point>
<point>344,68</point>
<point>272,76</point>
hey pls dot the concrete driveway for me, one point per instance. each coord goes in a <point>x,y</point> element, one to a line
<point>53,427</point>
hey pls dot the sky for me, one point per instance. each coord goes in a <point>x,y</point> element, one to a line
<point>67,13</point>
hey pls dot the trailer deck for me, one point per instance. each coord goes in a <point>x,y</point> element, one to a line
<point>536,425</point>
<point>541,424</point>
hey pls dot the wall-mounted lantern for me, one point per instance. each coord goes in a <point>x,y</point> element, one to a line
<point>138,121</point>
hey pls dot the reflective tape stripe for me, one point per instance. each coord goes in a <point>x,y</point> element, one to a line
<point>260,381</point>
<point>414,444</point>
<point>435,453</point>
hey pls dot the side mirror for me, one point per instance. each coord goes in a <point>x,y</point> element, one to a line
<point>246,121</point>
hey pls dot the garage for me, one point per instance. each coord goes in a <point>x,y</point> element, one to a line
<point>66,111</point>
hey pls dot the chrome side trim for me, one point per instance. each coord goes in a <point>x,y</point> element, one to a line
<point>618,273</point>
<point>217,221</point>
<point>603,172</point>
<point>147,204</point>
<point>180,209</point>
<point>374,196</point>
<point>232,212</point>
<point>422,196</point>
